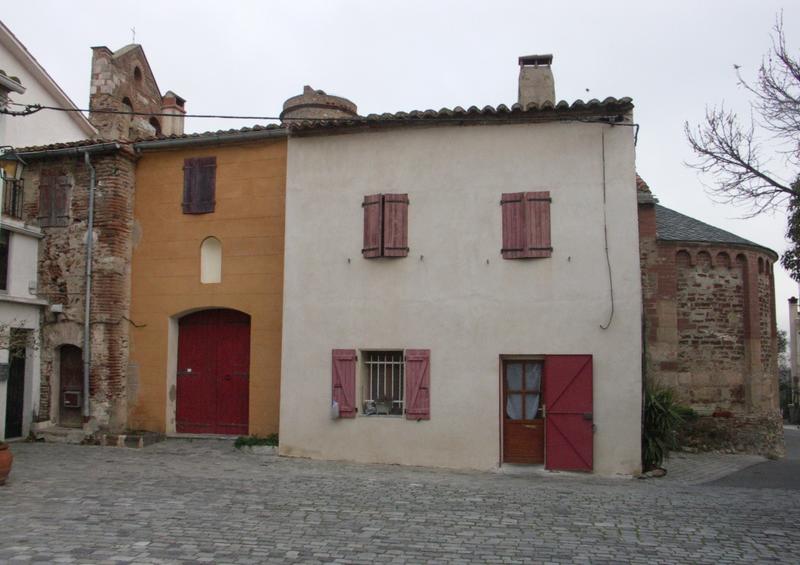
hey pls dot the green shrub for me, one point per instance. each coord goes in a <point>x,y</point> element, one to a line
<point>663,417</point>
<point>249,441</point>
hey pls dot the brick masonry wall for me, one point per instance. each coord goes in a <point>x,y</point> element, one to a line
<point>62,279</point>
<point>710,334</point>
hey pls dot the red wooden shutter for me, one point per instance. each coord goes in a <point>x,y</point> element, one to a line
<point>344,381</point>
<point>537,215</point>
<point>60,201</point>
<point>395,225</point>
<point>418,381</point>
<point>514,234</point>
<point>568,420</point>
<point>47,185</point>
<point>189,174</point>
<point>373,220</point>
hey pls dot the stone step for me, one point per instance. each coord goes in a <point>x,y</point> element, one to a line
<point>130,439</point>
<point>57,434</point>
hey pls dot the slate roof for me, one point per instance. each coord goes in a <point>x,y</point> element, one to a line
<point>94,141</point>
<point>546,111</point>
<point>674,226</point>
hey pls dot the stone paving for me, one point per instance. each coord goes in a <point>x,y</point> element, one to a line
<point>204,502</point>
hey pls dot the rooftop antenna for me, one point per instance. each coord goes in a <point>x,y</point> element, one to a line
<point>133,31</point>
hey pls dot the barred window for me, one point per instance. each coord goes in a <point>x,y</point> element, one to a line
<point>384,383</point>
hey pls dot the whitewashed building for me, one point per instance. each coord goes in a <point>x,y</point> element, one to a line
<point>462,287</point>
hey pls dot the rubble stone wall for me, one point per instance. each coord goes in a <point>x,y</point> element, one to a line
<point>122,81</point>
<point>62,279</point>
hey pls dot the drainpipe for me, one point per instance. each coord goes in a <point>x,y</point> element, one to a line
<point>87,301</point>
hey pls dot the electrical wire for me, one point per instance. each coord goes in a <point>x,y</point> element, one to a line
<point>605,234</point>
<point>30,109</point>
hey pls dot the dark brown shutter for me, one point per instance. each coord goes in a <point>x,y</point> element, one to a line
<point>395,225</point>
<point>189,174</point>
<point>206,185</point>
<point>514,236</point>
<point>199,185</point>
<point>373,221</point>
<point>60,201</point>
<point>537,215</point>
<point>47,185</point>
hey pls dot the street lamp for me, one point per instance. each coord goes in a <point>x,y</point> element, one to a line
<point>11,163</point>
<point>11,166</point>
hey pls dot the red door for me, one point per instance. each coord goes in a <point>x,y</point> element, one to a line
<point>568,419</point>
<point>213,373</point>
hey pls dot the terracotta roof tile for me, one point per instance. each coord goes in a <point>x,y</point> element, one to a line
<point>95,141</point>
<point>502,112</point>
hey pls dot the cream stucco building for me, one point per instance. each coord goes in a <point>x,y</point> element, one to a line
<point>448,346</point>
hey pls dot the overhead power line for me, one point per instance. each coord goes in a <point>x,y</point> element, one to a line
<point>33,108</point>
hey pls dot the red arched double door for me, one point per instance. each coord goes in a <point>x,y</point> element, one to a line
<point>213,373</point>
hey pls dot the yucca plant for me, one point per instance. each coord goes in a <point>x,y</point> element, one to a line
<point>663,416</point>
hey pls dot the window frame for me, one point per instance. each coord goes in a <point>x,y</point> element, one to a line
<point>523,391</point>
<point>364,384</point>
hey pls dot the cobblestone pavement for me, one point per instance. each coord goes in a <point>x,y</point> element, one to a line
<point>203,501</point>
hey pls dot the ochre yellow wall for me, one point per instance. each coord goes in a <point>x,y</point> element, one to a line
<point>249,221</point>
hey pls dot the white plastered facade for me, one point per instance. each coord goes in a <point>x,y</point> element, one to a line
<point>20,309</point>
<point>454,294</point>
<point>46,126</point>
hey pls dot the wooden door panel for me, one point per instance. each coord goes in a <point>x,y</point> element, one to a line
<point>213,373</point>
<point>196,403</point>
<point>524,443</point>
<point>70,397</point>
<point>523,427</point>
<point>568,397</point>
<point>233,366</point>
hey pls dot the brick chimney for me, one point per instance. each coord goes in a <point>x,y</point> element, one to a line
<point>175,106</point>
<point>536,85</point>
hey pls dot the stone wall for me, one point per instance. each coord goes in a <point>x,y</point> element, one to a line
<point>710,334</point>
<point>122,81</point>
<point>62,279</point>
<point>760,434</point>
<point>710,324</point>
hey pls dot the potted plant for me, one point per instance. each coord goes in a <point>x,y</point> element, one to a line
<point>6,458</point>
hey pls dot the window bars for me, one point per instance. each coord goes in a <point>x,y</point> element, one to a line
<point>384,383</point>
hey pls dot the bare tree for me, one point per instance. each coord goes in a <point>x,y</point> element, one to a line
<point>732,151</point>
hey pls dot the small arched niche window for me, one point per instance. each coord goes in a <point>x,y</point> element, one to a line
<point>156,125</point>
<point>211,261</point>
<point>137,74</point>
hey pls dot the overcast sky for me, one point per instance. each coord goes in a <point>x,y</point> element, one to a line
<point>246,58</point>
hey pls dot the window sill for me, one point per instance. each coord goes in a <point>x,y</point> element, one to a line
<point>4,297</point>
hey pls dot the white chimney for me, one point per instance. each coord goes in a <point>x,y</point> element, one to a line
<point>536,80</point>
<point>173,105</point>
